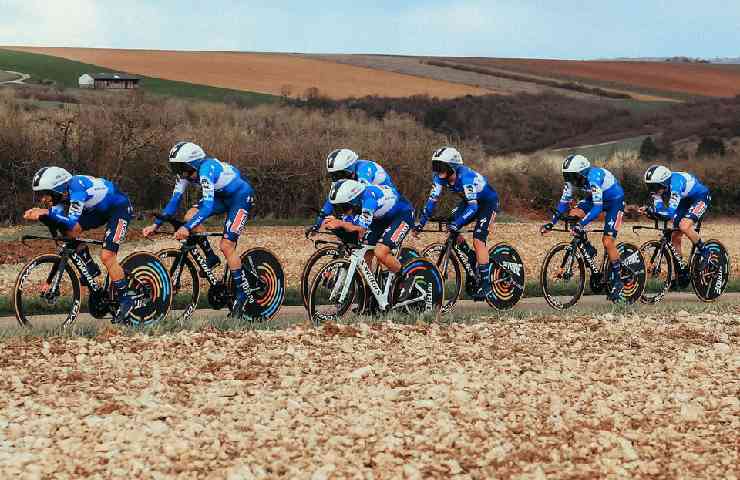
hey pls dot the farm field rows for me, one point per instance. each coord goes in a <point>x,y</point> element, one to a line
<point>549,396</point>
<point>265,73</point>
<point>695,79</point>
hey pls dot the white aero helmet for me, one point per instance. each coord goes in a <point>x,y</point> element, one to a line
<point>346,194</point>
<point>338,163</point>
<point>575,168</point>
<point>51,179</point>
<point>182,156</point>
<point>657,177</point>
<point>446,159</point>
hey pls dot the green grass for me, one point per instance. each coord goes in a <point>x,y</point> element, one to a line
<point>65,73</point>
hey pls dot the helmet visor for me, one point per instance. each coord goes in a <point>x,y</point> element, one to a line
<point>180,169</point>
<point>344,208</point>
<point>340,175</point>
<point>56,197</point>
<point>574,178</point>
<point>655,187</point>
<point>441,167</point>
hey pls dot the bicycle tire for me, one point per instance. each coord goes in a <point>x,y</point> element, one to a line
<point>709,286</point>
<point>326,279</point>
<point>435,252</point>
<point>507,278</point>
<point>655,287</point>
<point>190,301</point>
<point>25,310</point>
<point>326,251</point>
<point>550,293</point>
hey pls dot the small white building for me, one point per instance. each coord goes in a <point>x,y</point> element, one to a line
<point>86,81</point>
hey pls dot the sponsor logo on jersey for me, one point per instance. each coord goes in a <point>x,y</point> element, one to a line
<point>698,209</point>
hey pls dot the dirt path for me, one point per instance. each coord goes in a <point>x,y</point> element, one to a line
<point>291,315</point>
<point>22,77</point>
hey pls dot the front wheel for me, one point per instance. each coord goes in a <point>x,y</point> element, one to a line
<point>149,282</point>
<point>710,282</point>
<point>185,281</point>
<point>451,273</point>
<point>563,276</point>
<point>35,303</point>
<point>418,288</point>
<point>318,259</point>
<point>325,300</point>
<point>507,276</point>
<point>659,271</point>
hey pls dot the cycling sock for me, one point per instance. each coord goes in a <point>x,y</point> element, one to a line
<point>616,268</point>
<point>119,288</point>
<point>239,288</point>
<point>484,271</point>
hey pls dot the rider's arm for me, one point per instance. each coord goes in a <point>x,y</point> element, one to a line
<point>471,197</point>
<point>669,211</point>
<point>171,208</point>
<point>326,210</point>
<point>597,199</point>
<point>564,203</point>
<point>205,208</point>
<point>76,204</point>
<point>431,202</point>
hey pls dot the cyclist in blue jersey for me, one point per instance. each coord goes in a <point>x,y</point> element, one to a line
<point>223,191</point>
<point>681,197</point>
<point>603,193</point>
<point>78,203</point>
<point>378,214</point>
<point>479,204</point>
<point>342,164</point>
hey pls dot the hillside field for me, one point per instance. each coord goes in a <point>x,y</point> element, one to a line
<point>272,74</point>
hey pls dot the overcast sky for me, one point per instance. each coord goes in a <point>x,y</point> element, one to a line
<point>501,28</point>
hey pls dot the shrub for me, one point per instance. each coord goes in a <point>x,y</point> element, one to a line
<point>710,146</point>
<point>648,150</point>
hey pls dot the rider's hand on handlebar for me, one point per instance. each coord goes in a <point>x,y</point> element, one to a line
<point>311,231</point>
<point>578,230</point>
<point>182,233</point>
<point>416,230</point>
<point>148,231</point>
<point>546,228</point>
<point>35,213</point>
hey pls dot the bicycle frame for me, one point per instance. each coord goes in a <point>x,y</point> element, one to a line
<point>665,241</point>
<point>357,261</point>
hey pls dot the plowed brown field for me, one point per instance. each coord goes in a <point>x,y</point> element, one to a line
<point>697,79</point>
<point>265,73</point>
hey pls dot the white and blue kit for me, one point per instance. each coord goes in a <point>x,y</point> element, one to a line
<point>367,172</point>
<point>223,191</point>
<point>385,214</point>
<point>603,193</point>
<point>480,201</point>
<point>687,198</point>
<point>93,202</point>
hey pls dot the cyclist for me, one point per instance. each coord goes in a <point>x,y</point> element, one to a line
<point>687,202</point>
<point>378,214</point>
<point>603,194</point>
<point>223,191</point>
<point>343,163</point>
<point>80,202</point>
<point>479,204</point>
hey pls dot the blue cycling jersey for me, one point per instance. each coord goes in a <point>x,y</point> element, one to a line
<point>216,179</point>
<point>601,186</point>
<point>474,187</point>
<point>87,194</point>
<point>379,202</point>
<point>367,172</point>
<point>682,186</point>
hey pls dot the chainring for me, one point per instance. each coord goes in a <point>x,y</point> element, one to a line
<point>98,303</point>
<point>218,296</point>
<point>596,283</point>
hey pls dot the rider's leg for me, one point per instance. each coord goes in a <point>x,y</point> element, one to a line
<point>613,213</point>
<point>236,219</point>
<point>386,258</point>
<point>391,234</point>
<point>485,217</point>
<point>115,235</point>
